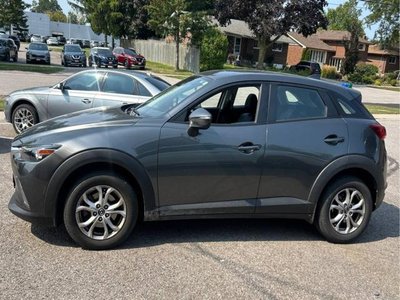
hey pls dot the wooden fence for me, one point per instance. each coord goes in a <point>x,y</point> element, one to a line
<point>165,53</point>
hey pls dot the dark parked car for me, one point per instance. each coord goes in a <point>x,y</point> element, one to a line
<point>8,50</point>
<point>128,58</point>
<point>85,44</point>
<point>312,67</point>
<point>101,56</point>
<point>216,145</point>
<point>37,52</point>
<point>83,90</point>
<point>61,40</point>
<point>73,55</point>
<point>16,40</point>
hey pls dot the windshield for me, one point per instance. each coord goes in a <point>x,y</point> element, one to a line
<point>104,52</point>
<point>130,52</point>
<point>73,48</point>
<point>42,47</point>
<point>170,98</point>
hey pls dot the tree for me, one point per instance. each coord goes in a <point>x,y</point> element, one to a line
<point>174,18</point>
<point>45,6</point>
<point>386,14</point>
<point>347,17</point>
<point>57,16</point>
<point>12,14</point>
<point>213,50</point>
<point>270,19</point>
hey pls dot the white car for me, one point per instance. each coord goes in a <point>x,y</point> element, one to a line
<point>52,41</point>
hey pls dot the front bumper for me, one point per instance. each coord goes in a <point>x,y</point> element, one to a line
<point>75,62</point>
<point>21,211</point>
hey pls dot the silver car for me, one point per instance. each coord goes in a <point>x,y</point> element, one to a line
<point>83,90</point>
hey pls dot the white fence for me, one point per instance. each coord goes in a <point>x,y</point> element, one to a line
<point>165,53</point>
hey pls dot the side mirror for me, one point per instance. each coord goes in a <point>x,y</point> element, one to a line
<point>61,86</point>
<point>199,119</point>
<point>50,50</point>
<point>26,48</point>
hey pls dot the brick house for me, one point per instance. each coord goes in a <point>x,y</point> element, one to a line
<point>387,60</point>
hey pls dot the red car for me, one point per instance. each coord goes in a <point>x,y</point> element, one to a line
<point>128,57</point>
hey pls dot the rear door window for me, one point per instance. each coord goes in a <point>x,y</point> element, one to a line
<point>119,84</point>
<point>298,103</point>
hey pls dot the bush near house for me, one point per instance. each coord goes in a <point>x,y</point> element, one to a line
<point>330,72</point>
<point>213,50</point>
<point>364,73</point>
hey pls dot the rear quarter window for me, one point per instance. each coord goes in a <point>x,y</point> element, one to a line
<point>351,108</point>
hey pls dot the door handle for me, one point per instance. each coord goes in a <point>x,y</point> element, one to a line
<point>248,148</point>
<point>87,101</point>
<point>333,139</point>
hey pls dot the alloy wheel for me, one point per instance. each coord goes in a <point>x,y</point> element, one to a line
<point>100,212</point>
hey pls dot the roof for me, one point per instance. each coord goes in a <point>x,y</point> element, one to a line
<point>337,35</point>
<point>375,49</point>
<point>241,29</point>
<point>312,41</point>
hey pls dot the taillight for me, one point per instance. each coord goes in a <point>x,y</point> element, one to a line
<point>379,130</point>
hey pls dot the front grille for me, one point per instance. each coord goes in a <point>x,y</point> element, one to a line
<point>37,56</point>
<point>76,57</point>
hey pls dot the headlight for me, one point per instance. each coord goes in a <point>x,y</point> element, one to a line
<point>33,153</point>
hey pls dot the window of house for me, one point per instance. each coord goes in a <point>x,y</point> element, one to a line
<point>318,56</point>
<point>392,60</point>
<point>237,45</point>
<point>277,47</point>
<point>295,103</point>
<point>361,47</point>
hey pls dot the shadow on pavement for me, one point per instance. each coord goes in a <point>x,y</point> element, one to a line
<point>5,145</point>
<point>384,224</point>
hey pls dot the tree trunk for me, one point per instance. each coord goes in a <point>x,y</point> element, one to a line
<point>177,50</point>
<point>112,42</point>
<point>105,40</point>
<point>262,45</point>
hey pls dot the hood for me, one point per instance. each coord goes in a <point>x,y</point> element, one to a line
<point>73,53</point>
<point>135,56</point>
<point>36,90</point>
<point>39,52</point>
<point>81,120</point>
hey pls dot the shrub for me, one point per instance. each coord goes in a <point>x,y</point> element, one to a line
<point>364,73</point>
<point>306,54</point>
<point>329,72</point>
<point>393,82</point>
<point>378,82</point>
<point>213,50</point>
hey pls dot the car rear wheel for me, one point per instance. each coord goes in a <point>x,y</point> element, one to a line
<point>101,211</point>
<point>15,58</point>
<point>7,57</point>
<point>24,116</point>
<point>127,64</point>
<point>345,211</point>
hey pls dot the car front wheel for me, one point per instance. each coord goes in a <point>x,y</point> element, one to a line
<point>101,211</point>
<point>345,211</point>
<point>24,116</point>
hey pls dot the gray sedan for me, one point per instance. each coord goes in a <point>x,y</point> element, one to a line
<point>86,89</point>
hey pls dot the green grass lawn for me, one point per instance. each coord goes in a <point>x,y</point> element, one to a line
<point>2,104</point>
<point>29,68</point>
<point>380,109</point>
<point>167,70</point>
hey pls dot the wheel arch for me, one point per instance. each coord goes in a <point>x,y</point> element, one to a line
<point>66,176</point>
<point>23,101</point>
<point>356,166</point>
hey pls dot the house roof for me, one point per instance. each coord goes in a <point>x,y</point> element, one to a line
<point>337,35</point>
<point>375,49</point>
<point>312,41</point>
<point>241,29</point>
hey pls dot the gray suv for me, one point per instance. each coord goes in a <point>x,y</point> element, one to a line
<point>216,145</point>
<point>73,55</point>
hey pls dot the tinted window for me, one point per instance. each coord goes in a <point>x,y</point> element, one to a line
<point>120,84</point>
<point>42,47</point>
<point>130,52</point>
<point>73,48</point>
<point>294,103</point>
<point>158,83</point>
<point>142,90</point>
<point>351,108</point>
<point>104,52</point>
<point>84,82</point>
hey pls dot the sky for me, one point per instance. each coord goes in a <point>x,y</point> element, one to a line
<point>331,4</point>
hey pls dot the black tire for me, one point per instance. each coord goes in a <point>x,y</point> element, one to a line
<point>87,185</point>
<point>15,58</point>
<point>99,64</point>
<point>90,63</point>
<point>7,57</point>
<point>127,65</point>
<point>142,68</point>
<point>348,213</point>
<point>66,64</point>
<point>23,117</point>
